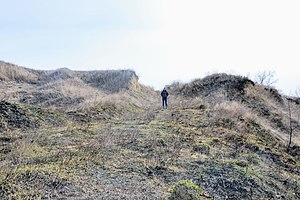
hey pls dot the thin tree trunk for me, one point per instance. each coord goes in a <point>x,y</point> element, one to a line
<point>291,128</point>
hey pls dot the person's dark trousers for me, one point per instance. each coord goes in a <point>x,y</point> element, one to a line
<point>165,102</point>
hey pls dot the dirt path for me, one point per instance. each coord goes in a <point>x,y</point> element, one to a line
<point>137,155</point>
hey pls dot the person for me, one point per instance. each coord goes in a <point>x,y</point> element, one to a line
<point>164,94</point>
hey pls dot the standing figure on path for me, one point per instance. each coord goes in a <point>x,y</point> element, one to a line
<point>164,94</point>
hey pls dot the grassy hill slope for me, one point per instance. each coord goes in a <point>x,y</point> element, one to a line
<point>64,88</point>
<point>223,137</point>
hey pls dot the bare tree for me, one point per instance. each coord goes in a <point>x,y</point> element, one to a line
<point>293,110</point>
<point>290,123</point>
<point>267,78</point>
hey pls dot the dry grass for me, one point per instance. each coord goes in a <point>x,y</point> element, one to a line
<point>120,144</point>
<point>179,102</point>
<point>143,154</point>
<point>74,93</point>
<point>235,111</point>
<point>272,109</point>
<point>109,80</point>
<point>67,89</point>
<point>11,72</point>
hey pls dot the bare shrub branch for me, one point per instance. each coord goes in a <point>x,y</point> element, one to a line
<point>266,77</point>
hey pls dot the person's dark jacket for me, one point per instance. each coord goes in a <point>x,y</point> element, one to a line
<point>164,94</point>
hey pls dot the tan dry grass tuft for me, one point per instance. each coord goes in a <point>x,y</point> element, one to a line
<point>234,110</point>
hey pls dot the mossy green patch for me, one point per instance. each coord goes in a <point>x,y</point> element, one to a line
<point>185,190</point>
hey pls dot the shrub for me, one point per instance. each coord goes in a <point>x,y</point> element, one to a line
<point>185,190</point>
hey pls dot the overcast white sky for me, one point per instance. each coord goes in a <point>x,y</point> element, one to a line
<point>162,40</point>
